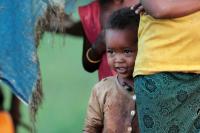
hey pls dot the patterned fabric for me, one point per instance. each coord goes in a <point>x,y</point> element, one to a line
<point>168,103</point>
<point>90,19</point>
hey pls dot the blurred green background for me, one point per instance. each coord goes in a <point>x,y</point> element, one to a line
<point>66,86</point>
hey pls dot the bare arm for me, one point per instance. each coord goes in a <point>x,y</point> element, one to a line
<point>15,111</point>
<point>170,8</point>
<point>89,67</point>
<point>95,54</point>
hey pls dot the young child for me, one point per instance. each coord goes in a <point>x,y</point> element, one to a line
<point>112,103</point>
<point>93,17</point>
<point>167,80</point>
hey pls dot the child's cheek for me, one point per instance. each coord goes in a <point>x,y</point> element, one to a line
<point>110,62</point>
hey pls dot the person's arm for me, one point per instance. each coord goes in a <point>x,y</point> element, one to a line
<point>94,118</point>
<point>170,8</point>
<point>92,53</point>
<point>15,111</point>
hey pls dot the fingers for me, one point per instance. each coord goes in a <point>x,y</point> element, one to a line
<point>138,8</point>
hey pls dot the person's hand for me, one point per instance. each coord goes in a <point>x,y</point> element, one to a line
<point>138,8</point>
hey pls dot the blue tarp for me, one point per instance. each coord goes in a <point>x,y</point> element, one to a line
<point>19,67</point>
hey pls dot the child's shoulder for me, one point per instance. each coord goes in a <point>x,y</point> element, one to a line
<point>107,80</point>
<point>106,84</point>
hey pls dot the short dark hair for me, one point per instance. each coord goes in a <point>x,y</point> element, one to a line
<point>122,19</point>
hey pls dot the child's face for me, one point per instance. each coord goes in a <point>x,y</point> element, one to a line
<point>121,48</point>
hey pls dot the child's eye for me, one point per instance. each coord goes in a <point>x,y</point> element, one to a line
<point>127,51</point>
<point>110,51</point>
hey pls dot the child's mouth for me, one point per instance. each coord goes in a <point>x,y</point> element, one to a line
<point>121,70</point>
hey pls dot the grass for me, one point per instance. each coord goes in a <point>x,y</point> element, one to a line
<point>66,86</point>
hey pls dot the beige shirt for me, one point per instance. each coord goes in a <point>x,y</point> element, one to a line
<point>111,109</point>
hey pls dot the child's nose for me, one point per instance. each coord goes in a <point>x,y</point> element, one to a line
<point>119,57</point>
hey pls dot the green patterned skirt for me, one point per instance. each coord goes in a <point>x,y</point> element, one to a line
<point>168,103</point>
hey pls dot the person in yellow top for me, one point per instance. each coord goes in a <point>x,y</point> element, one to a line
<point>167,68</point>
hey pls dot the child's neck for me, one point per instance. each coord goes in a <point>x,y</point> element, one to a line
<point>127,83</point>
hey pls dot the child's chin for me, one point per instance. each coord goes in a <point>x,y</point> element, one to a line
<point>125,76</point>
